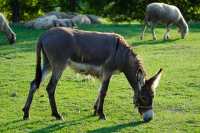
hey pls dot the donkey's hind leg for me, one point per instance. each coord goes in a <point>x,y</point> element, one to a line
<point>56,74</point>
<point>33,88</point>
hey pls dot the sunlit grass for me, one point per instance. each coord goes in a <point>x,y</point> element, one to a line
<point>177,106</point>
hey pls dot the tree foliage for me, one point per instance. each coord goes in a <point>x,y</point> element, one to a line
<point>120,10</point>
<point>116,10</point>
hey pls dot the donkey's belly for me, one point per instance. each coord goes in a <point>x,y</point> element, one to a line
<point>86,69</point>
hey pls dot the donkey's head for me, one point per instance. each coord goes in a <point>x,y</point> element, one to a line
<point>145,93</point>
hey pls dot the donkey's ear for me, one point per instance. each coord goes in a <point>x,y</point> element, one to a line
<point>140,78</point>
<point>154,81</point>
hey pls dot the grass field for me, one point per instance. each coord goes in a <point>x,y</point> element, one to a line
<point>176,105</point>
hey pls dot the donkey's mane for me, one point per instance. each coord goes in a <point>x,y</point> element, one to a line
<point>138,61</point>
<point>123,41</point>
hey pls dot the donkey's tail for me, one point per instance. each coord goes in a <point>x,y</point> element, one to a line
<point>38,73</point>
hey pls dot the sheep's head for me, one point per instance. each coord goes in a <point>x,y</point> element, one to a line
<point>183,28</point>
<point>184,31</point>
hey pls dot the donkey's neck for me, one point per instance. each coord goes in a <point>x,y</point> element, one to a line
<point>130,71</point>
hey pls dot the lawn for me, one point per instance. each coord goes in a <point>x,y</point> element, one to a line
<point>176,104</point>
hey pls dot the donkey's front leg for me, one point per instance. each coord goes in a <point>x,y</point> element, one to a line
<point>102,94</point>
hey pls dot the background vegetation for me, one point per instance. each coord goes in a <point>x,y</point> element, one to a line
<point>176,105</point>
<point>116,10</point>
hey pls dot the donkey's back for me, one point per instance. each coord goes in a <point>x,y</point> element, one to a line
<point>85,51</point>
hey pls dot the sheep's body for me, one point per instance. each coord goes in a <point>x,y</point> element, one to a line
<point>165,14</point>
<point>5,28</point>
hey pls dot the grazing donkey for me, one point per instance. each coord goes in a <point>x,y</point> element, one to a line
<point>95,53</point>
<point>4,27</point>
<point>166,14</point>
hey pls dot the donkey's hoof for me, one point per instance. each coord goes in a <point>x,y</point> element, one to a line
<point>25,117</point>
<point>26,114</point>
<point>102,117</point>
<point>58,116</point>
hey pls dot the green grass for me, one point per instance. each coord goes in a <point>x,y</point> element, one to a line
<point>176,105</point>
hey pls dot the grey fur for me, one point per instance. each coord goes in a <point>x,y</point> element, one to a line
<point>5,28</point>
<point>165,14</point>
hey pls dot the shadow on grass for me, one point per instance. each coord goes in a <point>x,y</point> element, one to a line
<point>19,123</point>
<point>154,42</point>
<point>116,128</point>
<point>58,126</point>
<point>65,124</point>
<point>8,123</point>
<point>15,124</point>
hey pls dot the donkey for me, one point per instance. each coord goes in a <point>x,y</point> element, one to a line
<point>4,27</point>
<point>166,14</point>
<point>95,53</point>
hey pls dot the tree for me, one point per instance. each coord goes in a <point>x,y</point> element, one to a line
<point>72,5</point>
<point>120,10</point>
<point>116,10</point>
<point>15,8</point>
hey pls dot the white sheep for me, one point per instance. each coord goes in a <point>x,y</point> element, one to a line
<point>5,28</point>
<point>165,14</point>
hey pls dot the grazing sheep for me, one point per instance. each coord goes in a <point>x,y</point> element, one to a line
<point>5,28</point>
<point>165,14</point>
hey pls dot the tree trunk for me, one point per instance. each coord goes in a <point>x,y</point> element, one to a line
<point>15,7</point>
<point>72,5</point>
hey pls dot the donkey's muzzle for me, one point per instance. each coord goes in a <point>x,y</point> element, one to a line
<point>148,115</point>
